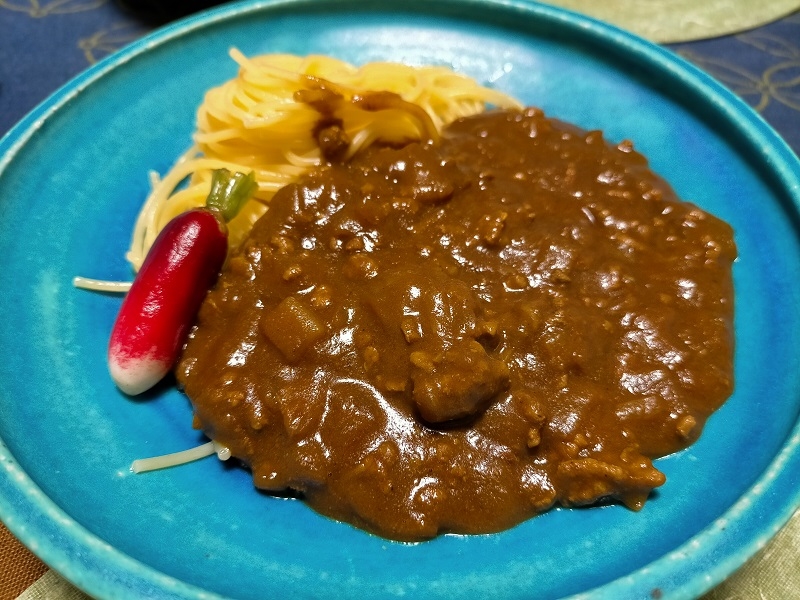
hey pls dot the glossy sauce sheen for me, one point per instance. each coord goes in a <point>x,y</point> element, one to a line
<point>454,338</point>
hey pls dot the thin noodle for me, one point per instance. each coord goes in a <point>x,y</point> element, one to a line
<point>142,465</point>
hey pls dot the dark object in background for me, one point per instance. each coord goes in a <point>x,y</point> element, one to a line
<point>158,12</point>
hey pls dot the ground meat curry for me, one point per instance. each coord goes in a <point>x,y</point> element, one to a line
<point>454,337</point>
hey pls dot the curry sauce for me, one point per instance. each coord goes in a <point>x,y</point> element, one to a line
<point>454,337</point>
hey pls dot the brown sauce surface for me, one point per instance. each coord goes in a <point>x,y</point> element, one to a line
<point>454,338</point>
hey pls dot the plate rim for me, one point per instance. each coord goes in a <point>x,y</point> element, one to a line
<point>776,158</point>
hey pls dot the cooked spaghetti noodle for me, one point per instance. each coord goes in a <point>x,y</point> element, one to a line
<point>265,120</point>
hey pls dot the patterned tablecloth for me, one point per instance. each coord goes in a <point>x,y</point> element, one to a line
<point>44,43</point>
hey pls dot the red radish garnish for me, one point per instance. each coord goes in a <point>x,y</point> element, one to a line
<point>179,269</point>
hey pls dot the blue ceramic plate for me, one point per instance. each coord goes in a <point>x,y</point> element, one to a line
<point>72,176</point>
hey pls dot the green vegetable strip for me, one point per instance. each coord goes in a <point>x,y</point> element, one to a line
<point>230,191</point>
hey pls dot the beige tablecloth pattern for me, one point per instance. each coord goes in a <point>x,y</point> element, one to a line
<point>670,21</point>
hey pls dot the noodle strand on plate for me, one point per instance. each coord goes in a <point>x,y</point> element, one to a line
<point>267,118</point>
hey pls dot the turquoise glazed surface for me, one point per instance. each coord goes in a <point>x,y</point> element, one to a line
<point>72,177</point>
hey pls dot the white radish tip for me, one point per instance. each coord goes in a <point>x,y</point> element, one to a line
<point>134,376</point>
